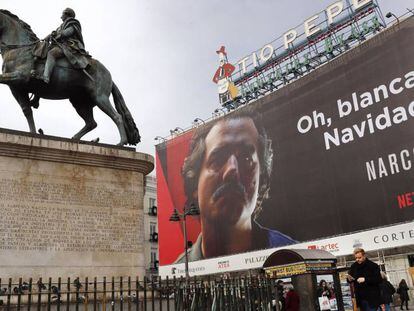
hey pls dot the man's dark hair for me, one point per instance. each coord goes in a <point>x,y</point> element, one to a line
<point>192,164</point>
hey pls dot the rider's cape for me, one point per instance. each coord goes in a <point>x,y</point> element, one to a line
<point>73,46</point>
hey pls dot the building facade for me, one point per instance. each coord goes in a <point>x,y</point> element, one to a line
<point>150,227</point>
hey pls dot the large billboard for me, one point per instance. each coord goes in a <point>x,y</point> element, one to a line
<point>330,154</point>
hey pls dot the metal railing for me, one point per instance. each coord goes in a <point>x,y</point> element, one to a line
<point>126,293</point>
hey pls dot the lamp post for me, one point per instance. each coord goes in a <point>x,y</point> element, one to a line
<point>176,131</point>
<point>390,14</point>
<point>198,121</point>
<point>189,210</point>
<point>162,139</point>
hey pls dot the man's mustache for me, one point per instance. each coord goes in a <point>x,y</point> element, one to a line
<point>229,187</point>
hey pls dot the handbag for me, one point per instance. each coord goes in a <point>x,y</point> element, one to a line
<point>324,303</point>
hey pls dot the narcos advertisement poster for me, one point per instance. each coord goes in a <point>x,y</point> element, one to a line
<point>342,140</point>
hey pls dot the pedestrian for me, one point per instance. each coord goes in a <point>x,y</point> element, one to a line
<point>403,292</point>
<point>387,290</point>
<point>280,291</point>
<point>365,276</point>
<point>292,300</point>
<point>324,290</point>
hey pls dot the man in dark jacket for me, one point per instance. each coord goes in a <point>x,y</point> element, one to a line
<point>365,276</point>
<point>227,173</point>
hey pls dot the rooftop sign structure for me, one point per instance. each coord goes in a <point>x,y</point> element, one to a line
<point>317,40</point>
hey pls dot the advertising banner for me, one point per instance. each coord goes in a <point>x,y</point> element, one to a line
<point>330,154</point>
<point>384,238</point>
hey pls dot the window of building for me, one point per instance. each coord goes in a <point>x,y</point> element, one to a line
<point>153,227</point>
<point>411,260</point>
<point>152,209</point>
<point>153,256</point>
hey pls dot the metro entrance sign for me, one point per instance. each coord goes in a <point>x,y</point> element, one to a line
<point>322,37</point>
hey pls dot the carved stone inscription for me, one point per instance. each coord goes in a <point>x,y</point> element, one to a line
<point>40,216</point>
<point>66,194</point>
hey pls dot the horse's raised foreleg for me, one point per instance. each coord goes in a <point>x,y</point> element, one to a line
<point>12,77</point>
<point>105,105</point>
<point>24,102</point>
<point>86,112</point>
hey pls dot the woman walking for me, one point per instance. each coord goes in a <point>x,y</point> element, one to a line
<point>403,292</point>
<point>387,290</point>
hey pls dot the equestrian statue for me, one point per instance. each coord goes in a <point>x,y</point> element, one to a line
<point>58,67</point>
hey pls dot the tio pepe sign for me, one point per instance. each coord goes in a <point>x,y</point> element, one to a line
<point>311,27</point>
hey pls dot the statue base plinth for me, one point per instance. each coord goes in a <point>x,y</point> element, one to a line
<point>70,208</point>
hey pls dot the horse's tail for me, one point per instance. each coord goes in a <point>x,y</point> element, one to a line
<point>130,127</point>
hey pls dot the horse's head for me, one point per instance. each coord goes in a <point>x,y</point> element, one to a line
<point>14,31</point>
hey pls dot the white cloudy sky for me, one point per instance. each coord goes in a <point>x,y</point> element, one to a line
<point>161,54</point>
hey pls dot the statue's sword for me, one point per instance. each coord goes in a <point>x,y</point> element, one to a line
<point>88,75</point>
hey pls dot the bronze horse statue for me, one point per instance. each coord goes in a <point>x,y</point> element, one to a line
<point>84,91</point>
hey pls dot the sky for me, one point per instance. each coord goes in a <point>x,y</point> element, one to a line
<point>161,55</point>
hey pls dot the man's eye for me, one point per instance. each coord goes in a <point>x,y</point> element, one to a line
<point>247,160</point>
<point>216,162</point>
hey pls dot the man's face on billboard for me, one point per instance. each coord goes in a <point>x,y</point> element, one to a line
<point>229,175</point>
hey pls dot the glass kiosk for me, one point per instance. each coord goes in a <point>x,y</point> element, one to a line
<point>313,275</point>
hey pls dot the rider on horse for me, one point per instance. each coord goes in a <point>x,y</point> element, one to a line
<point>22,55</point>
<point>66,41</point>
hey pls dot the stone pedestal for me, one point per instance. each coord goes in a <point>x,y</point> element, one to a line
<point>70,209</point>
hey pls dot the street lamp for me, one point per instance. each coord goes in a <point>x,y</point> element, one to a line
<point>390,14</point>
<point>189,210</point>
<point>220,111</point>
<point>176,131</point>
<point>198,121</point>
<point>162,139</point>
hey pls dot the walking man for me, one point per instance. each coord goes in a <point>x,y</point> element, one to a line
<point>366,278</point>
